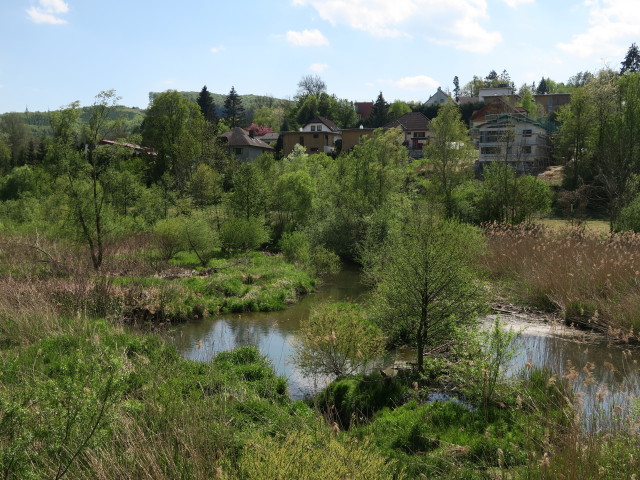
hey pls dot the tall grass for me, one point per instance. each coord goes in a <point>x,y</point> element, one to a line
<point>592,279</point>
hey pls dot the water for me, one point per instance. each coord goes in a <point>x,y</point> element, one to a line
<point>272,332</point>
<point>611,374</point>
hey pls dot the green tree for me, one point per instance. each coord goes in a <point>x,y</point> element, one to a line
<point>337,339</point>
<point>380,114</point>
<point>17,136</point>
<point>425,284</point>
<point>397,109</point>
<point>233,109</point>
<point>631,62</point>
<point>249,195</point>
<point>207,105</point>
<point>542,87</point>
<point>450,152</point>
<point>171,128</point>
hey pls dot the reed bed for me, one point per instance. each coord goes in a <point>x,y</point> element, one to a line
<point>593,279</point>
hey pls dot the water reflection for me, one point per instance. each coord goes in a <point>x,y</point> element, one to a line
<point>272,332</point>
<point>603,374</point>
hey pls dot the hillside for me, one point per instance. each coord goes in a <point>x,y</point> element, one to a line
<point>38,122</point>
<point>249,102</point>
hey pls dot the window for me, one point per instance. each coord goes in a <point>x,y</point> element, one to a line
<point>526,149</point>
<point>526,133</point>
<point>419,134</point>
<point>315,135</point>
<point>490,150</point>
<point>237,150</point>
<point>301,142</point>
<point>314,149</point>
<point>313,128</point>
<point>319,128</point>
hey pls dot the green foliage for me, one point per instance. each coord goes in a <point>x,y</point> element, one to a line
<point>233,109</point>
<point>314,456</point>
<point>450,153</point>
<point>21,181</point>
<point>629,217</point>
<point>353,400</point>
<point>508,198</point>
<point>425,283</point>
<point>243,234</point>
<point>337,339</point>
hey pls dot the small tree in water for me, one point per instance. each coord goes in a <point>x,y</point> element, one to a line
<point>425,284</point>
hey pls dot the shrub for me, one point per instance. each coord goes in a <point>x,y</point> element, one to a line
<point>242,235</point>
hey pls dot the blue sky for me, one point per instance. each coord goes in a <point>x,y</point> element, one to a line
<point>53,52</point>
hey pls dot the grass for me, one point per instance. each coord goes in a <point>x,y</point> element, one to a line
<point>592,226</point>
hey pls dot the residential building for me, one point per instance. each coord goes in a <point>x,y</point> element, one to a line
<point>243,145</point>
<point>354,136</point>
<point>513,139</point>
<point>415,126</point>
<point>494,106</point>
<point>551,102</point>
<point>492,92</point>
<point>319,135</point>
<point>363,110</point>
<point>437,98</point>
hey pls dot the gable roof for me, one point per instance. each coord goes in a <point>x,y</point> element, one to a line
<point>325,121</point>
<point>239,137</point>
<point>410,122</point>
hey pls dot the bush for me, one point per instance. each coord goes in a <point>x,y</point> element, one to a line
<point>242,235</point>
<point>359,397</point>
<point>337,339</point>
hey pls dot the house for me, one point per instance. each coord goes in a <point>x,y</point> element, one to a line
<point>506,92</point>
<point>363,110</point>
<point>415,126</point>
<point>494,106</point>
<point>270,138</point>
<point>354,136</point>
<point>318,135</point>
<point>551,102</point>
<point>437,98</point>
<point>513,139</point>
<point>243,145</point>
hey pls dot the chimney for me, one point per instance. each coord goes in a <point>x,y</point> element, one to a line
<point>251,133</point>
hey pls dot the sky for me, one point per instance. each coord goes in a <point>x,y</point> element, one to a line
<point>54,52</point>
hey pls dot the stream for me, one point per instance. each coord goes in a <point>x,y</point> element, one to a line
<point>606,376</point>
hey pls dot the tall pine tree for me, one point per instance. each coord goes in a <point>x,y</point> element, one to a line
<point>233,109</point>
<point>380,114</point>
<point>207,105</point>
<point>631,62</point>
<point>542,87</point>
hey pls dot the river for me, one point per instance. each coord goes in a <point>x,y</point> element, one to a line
<point>605,375</point>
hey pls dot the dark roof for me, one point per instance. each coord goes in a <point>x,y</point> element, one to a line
<point>239,137</point>
<point>410,122</point>
<point>269,137</point>
<point>325,121</point>
<point>364,109</point>
<point>133,146</point>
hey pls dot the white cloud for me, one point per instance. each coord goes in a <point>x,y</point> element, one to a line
<point>318,67</point>
<point>613,25</point>
<point>517,3</point>
<point>419,82</point>
<point>455,22</point>
<point>307,38</point>
<point>218,49</point>
<point>48,11</point>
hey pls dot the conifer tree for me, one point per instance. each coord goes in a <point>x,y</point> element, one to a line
<point>380,114</point>
<point>631,62</point>
<point>233,109</point>
<point>207,105</point>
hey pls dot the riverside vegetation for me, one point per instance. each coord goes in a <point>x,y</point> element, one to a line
<point>94,239</point>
